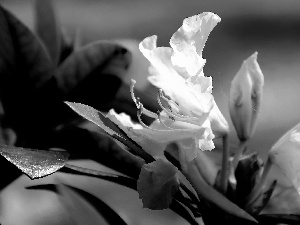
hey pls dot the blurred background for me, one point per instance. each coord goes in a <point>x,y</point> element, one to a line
<point>271,27</point>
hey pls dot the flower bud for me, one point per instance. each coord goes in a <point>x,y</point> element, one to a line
<point>285,154</point>
<point>245,97</point>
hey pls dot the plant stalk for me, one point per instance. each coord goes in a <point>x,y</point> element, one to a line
<point>225,161</point>
<point>239,153</point>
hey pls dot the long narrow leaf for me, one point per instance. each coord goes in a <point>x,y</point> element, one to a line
<point>118,179</point>
<point>71,195</point>
<point>291,219</point>
<point>87,144</point>
<point>261,201</point>
<point>47,28</point>
<point>183,212</point>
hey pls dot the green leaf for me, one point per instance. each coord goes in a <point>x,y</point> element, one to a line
<point>34,163</point>
<point>157,184</point>
<point>47,28</point>
<point>270,219</point>
<point>87,144</point>
<point>211,195</point>
<point>261,201</point>
<point>77,39</point>
<point>22,55</point>
<point>118,179</point>
<point>95,59</point>
<point>27,88</point>
<point>67,46</point>
<point>83,207</point>
<point>178,208</point>
<point>247,174</point>
<point>109,127</point>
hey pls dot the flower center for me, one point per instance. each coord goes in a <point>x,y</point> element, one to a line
<point>169,112</point>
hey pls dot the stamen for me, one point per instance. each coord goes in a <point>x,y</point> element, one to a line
<point>135,100</point>
<point>138,103</point>
<point>139,114</point>
<point>174,115</point>
<point>160,120</point>
<point>166,98</point>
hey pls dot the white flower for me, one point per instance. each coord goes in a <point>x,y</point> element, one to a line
<point>189,111</point>
<point>245,97</point>
<point>178,70</point>
<point>286,155</point>
<point>158,135</point>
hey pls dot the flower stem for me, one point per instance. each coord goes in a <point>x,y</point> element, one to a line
<point>258,187</point>
<point>224,171</point>
<point>238,154</point>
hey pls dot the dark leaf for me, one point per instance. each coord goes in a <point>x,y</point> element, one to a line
<point>175,206</point>
<point>178,208</point>
<point>211,195</point>
<point>22,54</point>
<point>247,174</point>
<point>188,203</point>
<point>212,215</point>
<point>86,144</point>
<point>9,172</point>
<point>172,154</point>
<point>47,28</point>
<point>77,39</point>
<point>92,74</point>
<point>71,201</point>
<point>67,46</point>
<point>270,219</point>
<point>261,201</point>
<point>110,128</point>
<point>26,72</point>
<point>118,179</point>
<point>34,163</point>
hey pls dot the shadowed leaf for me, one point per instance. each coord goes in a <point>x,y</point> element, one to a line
<point>26,81</point>
<point>34,163</point>
<point>118,179</point>
<point>81,75</point>
<point>77,39</point>
<point>22,54</point>
<point>86,144</point>
<point>183,212</point>
<point>47,28</point>
<point>270,219</point>
<point>261,201</point>
<point>84,207</point>
<point>247,173</point>
<point>67,46</point>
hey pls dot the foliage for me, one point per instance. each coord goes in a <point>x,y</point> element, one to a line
<point>44,76</point>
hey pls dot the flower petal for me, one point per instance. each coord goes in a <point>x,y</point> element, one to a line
<point>219,124</point>
<point>286,155</point>
<point>155,138</point>
<point>189,40</point>
<point>160,58</point>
